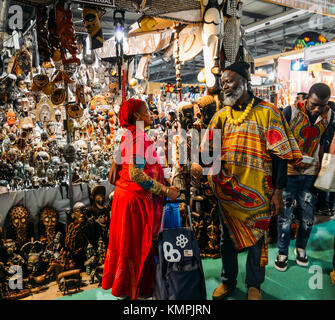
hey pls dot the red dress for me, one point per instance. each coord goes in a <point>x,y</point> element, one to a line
<point>129,267</point>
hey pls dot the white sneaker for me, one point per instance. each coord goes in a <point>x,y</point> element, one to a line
<point>281,262</point>
<point>301,257</point>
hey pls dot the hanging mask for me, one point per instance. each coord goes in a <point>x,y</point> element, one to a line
<point>11,117</point>
<point>93,27</point>
<point>45,111</point>
<point>40,80</point>
<point>69,153</point>
<point>58,96</point>
<point>23,60</point>
<point>74,110</point>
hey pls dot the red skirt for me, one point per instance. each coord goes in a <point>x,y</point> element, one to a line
<point>129,269</point>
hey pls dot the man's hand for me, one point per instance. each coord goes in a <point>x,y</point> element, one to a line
<point>276,203</point>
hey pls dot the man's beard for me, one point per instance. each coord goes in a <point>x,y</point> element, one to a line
<point>232,99</point>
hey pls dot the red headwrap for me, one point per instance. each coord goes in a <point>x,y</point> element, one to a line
<point>126,113</point>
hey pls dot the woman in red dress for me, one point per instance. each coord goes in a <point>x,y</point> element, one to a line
<point>129,267</point>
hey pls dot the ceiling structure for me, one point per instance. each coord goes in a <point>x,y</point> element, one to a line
<point>270,29</point>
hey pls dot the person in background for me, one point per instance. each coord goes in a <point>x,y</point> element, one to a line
<point>129,267</point>
<point>301,97</point>
<point>162,120</point>
<point>308,121</point>
<point>171,120</point>
<point>155,121</point>
<point>332,274</point>
<point>326,200</point>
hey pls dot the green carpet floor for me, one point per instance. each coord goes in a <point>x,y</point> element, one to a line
<point>297,283</point>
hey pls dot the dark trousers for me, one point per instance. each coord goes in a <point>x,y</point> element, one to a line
<point>255,274</point>
<point>325,200</point>
<point>297,193</point>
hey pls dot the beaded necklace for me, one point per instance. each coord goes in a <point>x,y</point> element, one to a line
<point>242,117</point>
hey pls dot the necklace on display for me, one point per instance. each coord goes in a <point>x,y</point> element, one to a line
<point>242,117</point>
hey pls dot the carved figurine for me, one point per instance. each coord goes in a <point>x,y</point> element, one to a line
<point>91,263</point>
<point>99,212</point>
<point>49,225</point>
<point>19,227</point>
<point>77,235</point>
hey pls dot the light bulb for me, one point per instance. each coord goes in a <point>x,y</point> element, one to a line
<point>119,36</point>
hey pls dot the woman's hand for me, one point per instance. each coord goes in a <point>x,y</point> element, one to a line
<point>173,193</point>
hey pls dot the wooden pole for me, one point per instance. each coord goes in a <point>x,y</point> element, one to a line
<point>177,61</point>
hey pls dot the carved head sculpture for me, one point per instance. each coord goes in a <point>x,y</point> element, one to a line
<point>11,117</point>
<point>51,176</point>
<point>69,153</point>
<point>58,115</point>
<point>70,69</point>
<point>12,137</point>
<point>10,246</point>
<point>49,219</point>
<point>89,251</point>
<point>207,107</point>
<point>33,251</point>
<point>19,218</point>
<point>96,152</point>
<point>35,182</point>
<point>32,102</point>
<point>51,127</point>
<point>42,159</point>
<point>78,215</point>
<point>30,171</point>
<point>12,155</point>
<point>186,115</point>
<point>6,144</point>
<point>98,195</point>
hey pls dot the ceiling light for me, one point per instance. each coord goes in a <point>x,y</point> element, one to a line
<point>280,18</point>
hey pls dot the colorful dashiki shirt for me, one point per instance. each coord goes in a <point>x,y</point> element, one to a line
<point>244,184</point>
<point>308,136</point>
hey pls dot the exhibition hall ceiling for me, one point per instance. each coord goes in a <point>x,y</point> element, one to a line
<point>270,28</point>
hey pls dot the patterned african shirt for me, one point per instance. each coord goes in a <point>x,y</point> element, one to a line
<point>308,136</point>
<point>244,184</point>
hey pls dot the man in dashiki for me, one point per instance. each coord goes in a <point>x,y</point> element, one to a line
<point>256,144</point>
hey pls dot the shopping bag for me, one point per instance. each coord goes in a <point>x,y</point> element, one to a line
<point>326,177</point>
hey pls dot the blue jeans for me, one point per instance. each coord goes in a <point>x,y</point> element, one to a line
<point>297,193</point>
<point>255,274</point>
